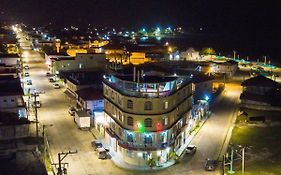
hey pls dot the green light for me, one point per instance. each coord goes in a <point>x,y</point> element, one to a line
<point>140,127</point>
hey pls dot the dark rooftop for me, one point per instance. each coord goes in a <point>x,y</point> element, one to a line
<point>62,58</point>
<point>84,77</point>
<point>9,56</point>
<point>10,86</point>
<point>9,118</point>
<point>90,93</point>
<point>260,81</point>
<point>198,78</point>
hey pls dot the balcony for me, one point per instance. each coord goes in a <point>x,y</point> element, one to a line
<point>161,87</point>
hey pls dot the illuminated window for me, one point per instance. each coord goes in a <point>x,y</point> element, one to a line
<point>130,104</point>
<point>130,121</point>
<point>148,105</point>
<point>148,122</point>
<point>165,121</point>
<point>165,105</point>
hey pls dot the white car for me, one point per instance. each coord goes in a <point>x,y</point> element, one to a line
<point>26,67</point>
<point>56,85</point>
<point>26,74</point>
<point>191,149</point>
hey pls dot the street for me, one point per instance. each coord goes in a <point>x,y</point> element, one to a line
<point>64,134</point>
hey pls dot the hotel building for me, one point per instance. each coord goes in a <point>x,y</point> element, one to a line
<point>146,117</point>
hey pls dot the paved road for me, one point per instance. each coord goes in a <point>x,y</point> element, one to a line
<point>64,134</point>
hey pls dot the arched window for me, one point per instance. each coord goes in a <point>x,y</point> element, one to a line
<point>130,104</point>
<point>148,122</point>
<point>148,105</point>
<point>130,121</point>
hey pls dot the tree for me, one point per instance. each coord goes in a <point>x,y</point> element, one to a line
<point>151,163</point>
<point>208,51</point>
<point>173,155</point>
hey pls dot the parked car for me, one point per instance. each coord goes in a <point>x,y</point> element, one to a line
<point>191,149</point>
<point>96,144</point>
<point>102,153</point>
<point>28,82</point>
<point>52,80</point>
<point>71,111</point>
<point>36,104</point>
<point>210,164</point>
<point>26,67</point>
<point>26,74</point>
<point>56,85</point>
<point>48,74</point>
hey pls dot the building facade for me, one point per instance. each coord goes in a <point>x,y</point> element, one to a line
<point>146,118</point>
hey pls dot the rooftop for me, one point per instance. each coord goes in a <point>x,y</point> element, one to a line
<point>83,77</point>
<point>9,56</point>
<point>10,86</point>
<point>198,78</point>
<point>90,93</point>
<point>260,81</point>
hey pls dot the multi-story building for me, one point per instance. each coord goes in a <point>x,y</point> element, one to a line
<point>146,117</point>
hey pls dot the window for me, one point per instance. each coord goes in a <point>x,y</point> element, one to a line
<point>80,65</point>
<point>148,122</point>
<point>148,105</point>
<point>165,105</point>
<point>165,121</point>
<point>147,139</point>
<point>130,137</point>
<point>5,100</point>
<point>163,137</point>
<point>130,121</point>
<point>120,116</point>
<point>112,95</point>
<point>12,100</point>
<point>130,104</point>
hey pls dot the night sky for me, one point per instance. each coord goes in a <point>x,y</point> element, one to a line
<point>254,23</point>
<point>212,15</point>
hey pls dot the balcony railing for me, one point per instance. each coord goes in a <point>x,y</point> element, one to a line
<point>145,90</point>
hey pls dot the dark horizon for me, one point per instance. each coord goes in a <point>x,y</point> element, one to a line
<point>221,16</point>
<point>251,25</point>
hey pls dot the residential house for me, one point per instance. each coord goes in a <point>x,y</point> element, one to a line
<point>260,93</point>
<point>11,95</point>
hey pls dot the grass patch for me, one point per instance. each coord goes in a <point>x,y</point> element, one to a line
<point>270,166</point>
<point>265,143</point>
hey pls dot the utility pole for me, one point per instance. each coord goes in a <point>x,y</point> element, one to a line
<point>61,156</point>
<point>36,116</point>
<point>231,171</point>
<point>243,160</point>
<point>35,94</point>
